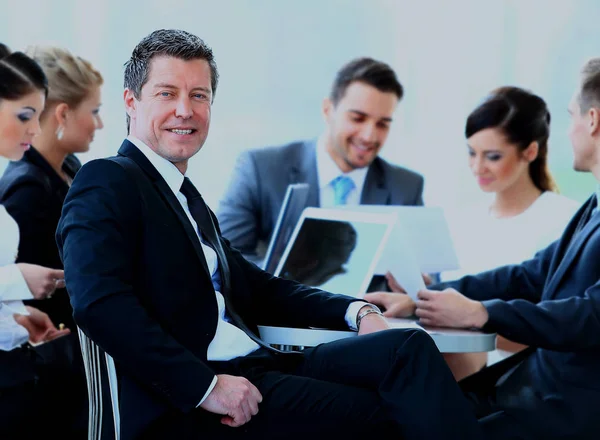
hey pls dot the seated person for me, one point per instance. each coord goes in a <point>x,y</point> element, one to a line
<point>550,303</point>
<point>33,189</point>
<point>177,307</point>
<point>41,393</point>
<point>507,139</point>
<point>342,166</point>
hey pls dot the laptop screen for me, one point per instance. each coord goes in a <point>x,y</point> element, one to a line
<point>294,203</point>
<point>336,255</point>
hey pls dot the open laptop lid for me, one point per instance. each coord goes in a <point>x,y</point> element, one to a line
<point>293,204</point>
<point>336,250</point>
<point>425,230</point>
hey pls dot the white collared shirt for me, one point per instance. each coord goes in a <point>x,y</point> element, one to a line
<point>327,171</point>
<point>229,341</point>
<point>13,287</point>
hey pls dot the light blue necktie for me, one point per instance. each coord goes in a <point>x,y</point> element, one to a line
<point>342,185</point>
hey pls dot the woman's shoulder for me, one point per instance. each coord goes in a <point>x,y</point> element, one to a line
<point>554,201</point>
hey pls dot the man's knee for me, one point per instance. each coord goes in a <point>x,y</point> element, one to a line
<point>410,337</point>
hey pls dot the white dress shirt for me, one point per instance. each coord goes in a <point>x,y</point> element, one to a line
<point>327,171</point>
<point>229,341</point>
<point>13,287</point>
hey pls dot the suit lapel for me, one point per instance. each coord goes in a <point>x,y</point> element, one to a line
<point>129,150</point>
<point>570,250</point>
<point>375,191</point>
<point>304,170</point>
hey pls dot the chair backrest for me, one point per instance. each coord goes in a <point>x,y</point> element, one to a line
<point>100,373</point>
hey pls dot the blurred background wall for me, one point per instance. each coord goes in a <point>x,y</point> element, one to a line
<point>277,59</point>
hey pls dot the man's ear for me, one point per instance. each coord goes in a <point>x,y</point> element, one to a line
<point>60,113</point>
<point>130,102</point>
<point>531,152</point>
<point>327,108</point>
<point>594,121</point>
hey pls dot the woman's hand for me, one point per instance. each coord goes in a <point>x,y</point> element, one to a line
<point>42,281</point>
<point>39,326</point>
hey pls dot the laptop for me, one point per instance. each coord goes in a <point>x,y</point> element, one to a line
<point>293,204</point>
<point>420,242</point>
<point>336,250</point>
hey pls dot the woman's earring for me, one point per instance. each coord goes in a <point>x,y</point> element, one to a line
<point>60,132</point>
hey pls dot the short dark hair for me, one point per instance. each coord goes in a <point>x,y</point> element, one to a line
<point>19,75</point>
<point>589,94</point>
<point>369,71</point>
<point>523,118</point>
<point>166,42</point>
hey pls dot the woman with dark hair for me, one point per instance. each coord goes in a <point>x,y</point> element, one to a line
<point>34,381</point>
<point>507,141</point>
<point>33,189</point>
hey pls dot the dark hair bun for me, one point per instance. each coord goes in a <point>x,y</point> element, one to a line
<point>4,51</point>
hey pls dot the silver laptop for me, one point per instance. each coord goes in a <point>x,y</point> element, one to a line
<point>336,250</point>
<point>293,204</point>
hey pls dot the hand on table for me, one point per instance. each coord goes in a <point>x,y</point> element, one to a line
<point>396,305</point>
<point>450,308</point>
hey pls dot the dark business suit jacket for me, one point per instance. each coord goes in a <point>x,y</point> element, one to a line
<point>249,209</point>
<point>551,303</point>
<point>141,290</point>
<point>33,195</point>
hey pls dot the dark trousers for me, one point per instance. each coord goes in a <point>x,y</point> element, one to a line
<point>393,383</point>
<point>482,389</point>
<point>51,401</point>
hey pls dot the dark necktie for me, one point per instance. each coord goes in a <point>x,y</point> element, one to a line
<point>203,218</point>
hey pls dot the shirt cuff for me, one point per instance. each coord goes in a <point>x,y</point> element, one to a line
<point>208,391</point>
<point>12,284</point>
<point>352,313</point>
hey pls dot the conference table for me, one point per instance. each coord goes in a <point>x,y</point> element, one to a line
<point>447,340</point>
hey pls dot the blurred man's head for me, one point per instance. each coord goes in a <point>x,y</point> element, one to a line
<point>584,109</point>
<point>358,112</point>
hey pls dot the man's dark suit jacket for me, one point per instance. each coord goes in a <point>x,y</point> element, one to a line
<point>552,303</point>
<point>141,290</point>
<point>248,211</point>
<point>33,194</point>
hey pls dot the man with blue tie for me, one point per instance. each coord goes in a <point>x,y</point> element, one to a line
<point>154,284</point>
<point>341,167</point>
<point>550,303</point>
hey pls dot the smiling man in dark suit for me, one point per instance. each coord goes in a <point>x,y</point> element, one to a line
<point>342,166</point>
<point>155,285</point>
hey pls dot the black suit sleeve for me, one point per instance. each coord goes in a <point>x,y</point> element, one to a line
<point>280,302</point>
<point>29,203</point>
<point>569,324</point>
<point>98,238</point>
<point>512,296</point>
<point>522,281</point>
<point>239,209</point>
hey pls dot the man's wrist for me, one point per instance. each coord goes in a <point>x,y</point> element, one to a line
<point>365,311</point>
<point>480,316</point>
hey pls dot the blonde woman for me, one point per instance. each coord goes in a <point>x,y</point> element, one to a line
<point>33,189</point>
<point>42,394</point>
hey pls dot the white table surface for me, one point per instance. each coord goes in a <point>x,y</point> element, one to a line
<point>447,340</point>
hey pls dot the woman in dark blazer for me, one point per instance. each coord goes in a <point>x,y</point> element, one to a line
<point>33,189</point>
